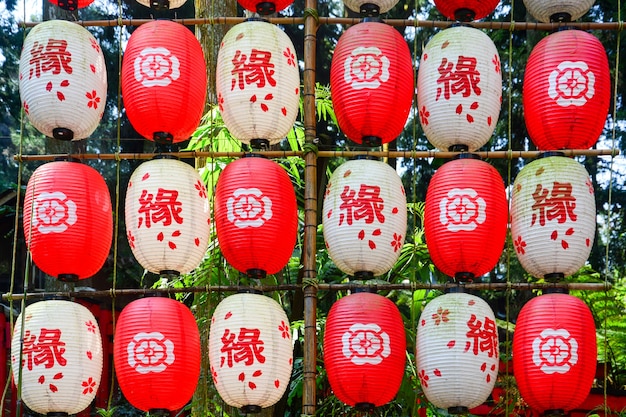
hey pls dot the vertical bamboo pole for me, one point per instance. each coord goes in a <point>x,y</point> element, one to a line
<point>310,211</point>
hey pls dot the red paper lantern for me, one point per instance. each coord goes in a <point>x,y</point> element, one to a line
<point>164,81</point>
<point>364,350</point>
<point>68,221</point>
<point>457,351</point>
<point>71,5</point>
<point>554,346</point>
<point>257,324</point>
<point>167,216</point>
<point>459,89</point>
<point>258,83</point>
<point>157,354</point>
<point>364,218</point>
<point>60,353</point>
<point>63,80</point>
<point>567,90</point>
<point>371,79</point>
<point>465,218</point>
<point>265,7</point>
<point>466,10</point>
<point>256,215</point>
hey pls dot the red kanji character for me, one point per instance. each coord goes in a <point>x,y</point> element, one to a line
<point>54,57</point>
<point>45,350</point>
<point>256,69</point>
<point>557,204</point>
<point>367,204</point>
<point>462,79</point>
<point>483,339</point>
<point>246,347</point>
<point>162,208</point>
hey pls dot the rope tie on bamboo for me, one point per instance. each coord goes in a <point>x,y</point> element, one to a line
<point>308,148</point>
<point>313,13</point>
<point>310,282</point>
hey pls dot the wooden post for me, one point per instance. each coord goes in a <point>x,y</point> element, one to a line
<point>310,211</point>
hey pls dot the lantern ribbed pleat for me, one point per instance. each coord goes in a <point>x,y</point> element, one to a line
<point>364,217</point>
<point>553,216</point>
<point>157,354</point>
<point>167,216</point>
<point>256,216</point>
<point>542,10</point>
<point>364,350</point>
<point>61,355</point>
<point>63,80</point>
<point>259,376</point>
<point>457,351</point>
<point>480,8</point>
<point>383,5</point>
<point>567,90</point>
<point>258,82</point>
<point>554,350</point>
<point>465,218</point>
<point>164,80</point>
<point>68,221</point>
<point>253,5</point>
<point>371,79</point>
<point>459,88</point>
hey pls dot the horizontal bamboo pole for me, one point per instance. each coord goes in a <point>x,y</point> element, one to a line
<point>511,26</point>
<point>327,154</point>
<point>479,286</point>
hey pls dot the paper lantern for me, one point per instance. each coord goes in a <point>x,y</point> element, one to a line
<point>71,5</point>
<point>371,80</point>
<point>554,346</point>
<point>466,10</point>
<point>459,89</point>
<point>370,7</point>
<point>164,81</point>
<point>63,80</point>
<point>265,7</point>
<point>68,221</point>
<point>364,350</point>
<point>465,218</point>
<point>162,4</point>
<point>567,90</point>
<point>167,216</point>
<point>256,216</point>
<point>250,351</point>
<point>553,217</point>
<point>457,351</point>
<point>157,354</point>
<point>364,217</point>
<point>59,350</point>
<point>557,10</point>
<point>258,83</point>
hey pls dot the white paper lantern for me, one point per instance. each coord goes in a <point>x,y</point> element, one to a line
<point>250,351</point>
<point>370,7</point>
<point>258,82</point>
<point>364,217</point>
<point>558,10</point>
<point>63,80</point>
<point>60,350</point>
<point>457,351</point>
<point>459,88</point>
<point>167,216</point>
<point>553,216</point>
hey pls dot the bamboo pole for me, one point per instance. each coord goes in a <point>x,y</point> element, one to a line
<point>309,243</point>
<point>478,286</point>
<point>327,154</point>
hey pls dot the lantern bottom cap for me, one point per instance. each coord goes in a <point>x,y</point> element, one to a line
<point>259,144</point>
<point>458,410</point>
<point>464,14</point>
<point>68,277</point>
<point>369,10</point>
<point>159,411</point>
<point>371,140</point>
<point>62,133</point>
<point>364,406</point>
<point>251,409</point>
<point>555,412</point>
<point>560,17</point>
<point>57,414</point>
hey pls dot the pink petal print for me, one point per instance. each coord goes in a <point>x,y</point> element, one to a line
<point>423,322</point>
<point>437,372</point>
<point>445,44</point>
<point>65,83</point>
<point>264,107</point>
<point>257,373</point>
<point>41,379</point>
<point>228,315</point>
<point>451,344</point>
<point>394,210</point>
<point>93,68</point>
<point>471,302</point>
<point>253,98</point>
<point>284,111</point>
<point>330,213</point>
<point>239,37</point>
<point>474,105</point>
<point>376,232</point>
<point>569,231</point>
<point>252,385</point>
<point>347,173</point>
<point>587,242</point>
<point>242,377</point>
<point>297,90</point>
<point>176,233</point>
<point>89,354</point>
<point>362,235</point>
<point>172,245</point>
<point>277,383</point>
<point>564,244</point>
<point>60,96</point>
<point>470,118</point>
<point>160,237</point>
<point>459,109</point>
<point>488,377</point>
<point>425,57</point>
<point>371,244</point>
<point>483,367</point>
<point>489,121</point>
<point>53,388</point>
<point>58,375</point>
<point>269,96</point>
<point>145,176</point>
<point>196,241</point>
<point>49,86</point>
<point>554,235</point>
